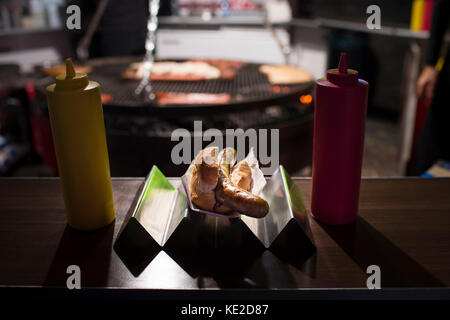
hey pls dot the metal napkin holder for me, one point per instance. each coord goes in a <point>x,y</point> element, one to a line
<point>162,220</point>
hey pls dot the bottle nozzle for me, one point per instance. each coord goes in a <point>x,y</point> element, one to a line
<point>343,76</point>
<point>71,80</point>
<point>70,71</point>
<point>343,63</point>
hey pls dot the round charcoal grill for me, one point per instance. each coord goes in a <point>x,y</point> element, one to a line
<point>248,89</point>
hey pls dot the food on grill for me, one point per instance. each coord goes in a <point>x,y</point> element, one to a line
<point>166,98</point>
<point>169,70</point>
<point>106,98</point>
<point>228,68</point>
<point>61,69</point>
<point>285,74</point>
<point>220,186</point>
<point>192,70</point>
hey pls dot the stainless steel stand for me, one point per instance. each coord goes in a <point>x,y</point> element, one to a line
<point>161,220</point>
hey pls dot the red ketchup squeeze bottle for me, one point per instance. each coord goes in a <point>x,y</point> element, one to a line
<point>339,123</point>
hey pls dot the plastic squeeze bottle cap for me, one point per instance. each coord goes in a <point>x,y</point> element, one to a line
<point>71,80</point>
<point>342,76</point>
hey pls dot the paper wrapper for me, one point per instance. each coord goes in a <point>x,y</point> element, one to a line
<point>258,183</point>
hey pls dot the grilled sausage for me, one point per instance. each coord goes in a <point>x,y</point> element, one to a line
<point>234,197</point>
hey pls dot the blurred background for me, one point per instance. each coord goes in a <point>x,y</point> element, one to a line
<point>309,34</point>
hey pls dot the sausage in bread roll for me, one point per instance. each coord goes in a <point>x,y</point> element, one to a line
<point>220,186</point>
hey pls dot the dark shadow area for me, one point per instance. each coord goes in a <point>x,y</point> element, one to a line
<point>135,247</point>
<point>294,247</point>
<point>183,244</point>
<point>366,246</point>
<point>229,253</point>
<point>271,272</point>
<point>229,269</point>
<point>90,250</point>
<point>223,249</point>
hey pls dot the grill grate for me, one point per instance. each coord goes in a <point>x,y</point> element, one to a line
<point>250,89</point>
<point>249,85</point>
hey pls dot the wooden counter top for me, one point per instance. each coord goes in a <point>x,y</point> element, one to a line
<point>403,227</point>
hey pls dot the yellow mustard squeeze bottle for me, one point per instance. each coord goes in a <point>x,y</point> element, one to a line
<point>78,128</point>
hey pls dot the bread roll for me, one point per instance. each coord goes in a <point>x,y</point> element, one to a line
<point>204,178</point>
<point>219,186</point>
<point>286,74</point>
<point>241,175</point>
